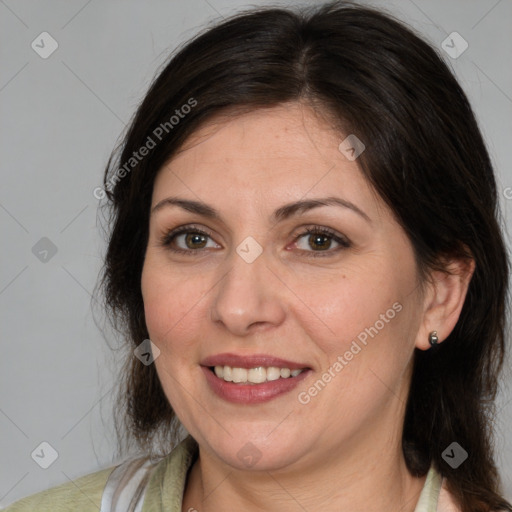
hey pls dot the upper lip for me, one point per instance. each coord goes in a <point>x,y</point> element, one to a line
<point>250,361</point>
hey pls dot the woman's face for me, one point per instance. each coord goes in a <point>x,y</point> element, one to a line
<point>258,292</point>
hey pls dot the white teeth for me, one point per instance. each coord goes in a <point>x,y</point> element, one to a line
<point>239,375</point>
<point>257,375</point>
<point>273,373</point>
<point>285,372</point>
<point>254,375</point>
<point>227,373</point>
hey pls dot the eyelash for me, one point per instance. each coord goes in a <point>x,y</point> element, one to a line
<point>169,237</point>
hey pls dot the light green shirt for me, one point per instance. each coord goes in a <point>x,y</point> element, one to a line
<point>166,486</point>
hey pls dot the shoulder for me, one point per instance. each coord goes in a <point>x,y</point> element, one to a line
<point>86,493</point>
<point>80,495</point>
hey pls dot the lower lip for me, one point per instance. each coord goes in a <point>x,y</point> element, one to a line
<point>251,393</point>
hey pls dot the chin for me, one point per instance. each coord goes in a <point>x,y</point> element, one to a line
<point>257,451</point>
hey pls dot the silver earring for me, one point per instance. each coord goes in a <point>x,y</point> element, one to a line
<point>433,339</point>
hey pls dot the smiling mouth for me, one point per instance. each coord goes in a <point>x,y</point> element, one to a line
<point>256,375</point>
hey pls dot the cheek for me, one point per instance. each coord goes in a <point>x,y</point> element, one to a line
<point>345,303</point>
<point>176,312</point>
<point>367,317</point>
<point>365,328</point>
<point>158,304</point>
<point>170,305</point>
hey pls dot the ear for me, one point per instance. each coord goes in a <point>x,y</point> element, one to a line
<point>443,300</point>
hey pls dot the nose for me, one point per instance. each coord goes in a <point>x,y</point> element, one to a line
<point>249,297</point>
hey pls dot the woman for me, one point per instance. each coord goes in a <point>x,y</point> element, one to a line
<point>304,224</point>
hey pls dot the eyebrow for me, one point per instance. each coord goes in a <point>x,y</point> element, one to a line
<point>282,213</point>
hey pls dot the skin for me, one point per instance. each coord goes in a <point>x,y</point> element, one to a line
<point>342,450</point>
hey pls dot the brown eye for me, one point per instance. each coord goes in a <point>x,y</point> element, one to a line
<point>320,240</point>
<point>188,240</point>
<point>195,240</point>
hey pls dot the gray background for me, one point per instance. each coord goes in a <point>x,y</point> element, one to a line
<point>60,118</point>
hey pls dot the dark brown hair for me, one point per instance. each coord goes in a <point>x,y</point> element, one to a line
<point>424,156</point>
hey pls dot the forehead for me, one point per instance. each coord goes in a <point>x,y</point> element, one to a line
<point>289,131</point>
<point>278,154</point>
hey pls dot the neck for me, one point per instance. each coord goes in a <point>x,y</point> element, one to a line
<point>375,480</point>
